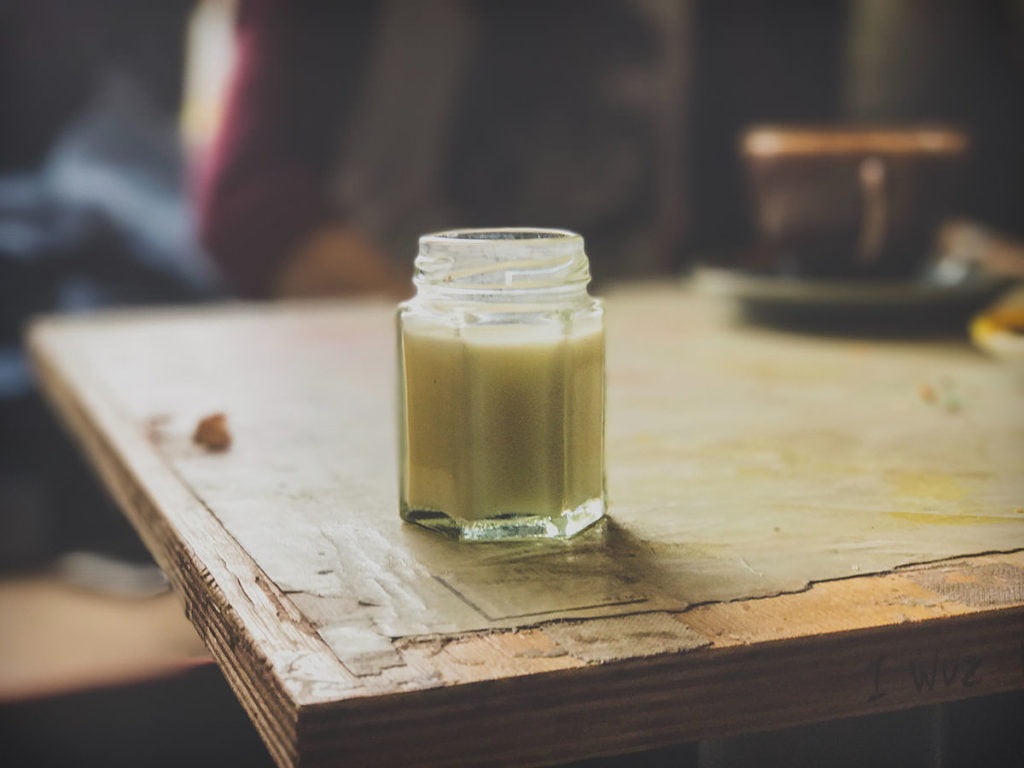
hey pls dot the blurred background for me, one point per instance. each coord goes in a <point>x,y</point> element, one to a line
<point>195,151</point>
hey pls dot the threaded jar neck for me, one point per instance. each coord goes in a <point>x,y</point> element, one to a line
<point>506,265</point>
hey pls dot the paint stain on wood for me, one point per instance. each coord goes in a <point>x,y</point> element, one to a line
<point>988,585</point>
<point>622,637</point>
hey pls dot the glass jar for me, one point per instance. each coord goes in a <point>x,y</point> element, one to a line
<point>502,387</point>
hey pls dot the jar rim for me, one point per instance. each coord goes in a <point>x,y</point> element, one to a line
<point>496,235</point>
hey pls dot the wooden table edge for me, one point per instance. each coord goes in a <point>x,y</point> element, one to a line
<point>625,706</point>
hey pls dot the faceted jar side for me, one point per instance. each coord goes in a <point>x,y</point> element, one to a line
<point>502,411</point>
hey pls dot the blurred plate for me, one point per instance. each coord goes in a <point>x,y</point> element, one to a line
<point>948,284</point>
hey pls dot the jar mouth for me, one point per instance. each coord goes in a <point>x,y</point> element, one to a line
<point>505,259</point>
<point>486,234</point>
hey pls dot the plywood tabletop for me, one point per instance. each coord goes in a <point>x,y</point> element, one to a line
<point>801,528</point>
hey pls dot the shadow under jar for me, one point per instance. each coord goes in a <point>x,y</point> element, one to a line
<point>502,387</point>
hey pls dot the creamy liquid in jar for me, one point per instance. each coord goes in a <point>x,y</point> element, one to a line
<point>504,420</point>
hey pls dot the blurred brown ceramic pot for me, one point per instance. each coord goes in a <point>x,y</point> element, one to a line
<point>850,202</point>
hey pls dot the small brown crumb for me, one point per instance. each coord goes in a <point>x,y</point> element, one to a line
<point>1019,510</point>
<point>927,393</point>
<point>212,432</point>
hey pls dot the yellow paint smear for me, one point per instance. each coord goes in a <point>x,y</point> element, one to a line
<point>937,518</point>
<point>926,485</point>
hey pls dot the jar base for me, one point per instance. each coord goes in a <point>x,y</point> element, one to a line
<point>510,527</point>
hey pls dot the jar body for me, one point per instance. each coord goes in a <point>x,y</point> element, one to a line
<point>502,398</point>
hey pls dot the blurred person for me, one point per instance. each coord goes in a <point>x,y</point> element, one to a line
<point>354,127</point>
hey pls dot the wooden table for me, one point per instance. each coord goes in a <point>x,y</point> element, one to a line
<point>802,528</point>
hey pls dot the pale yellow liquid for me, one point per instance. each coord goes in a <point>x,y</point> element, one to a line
<point>502,420</point>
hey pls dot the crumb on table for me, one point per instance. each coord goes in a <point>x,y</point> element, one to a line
<point>212,432</point>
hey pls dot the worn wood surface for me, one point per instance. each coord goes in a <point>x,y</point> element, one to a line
<point>802,528</point>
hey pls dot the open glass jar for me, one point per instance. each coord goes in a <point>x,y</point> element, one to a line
<point>502,387</point>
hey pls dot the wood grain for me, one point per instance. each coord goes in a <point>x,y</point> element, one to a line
<point>351,638</point>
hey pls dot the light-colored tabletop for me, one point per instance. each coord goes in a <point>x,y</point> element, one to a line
<point>802,528</point>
